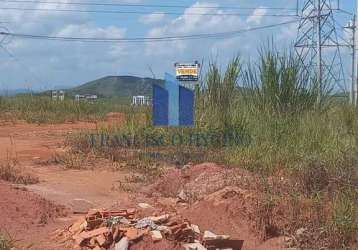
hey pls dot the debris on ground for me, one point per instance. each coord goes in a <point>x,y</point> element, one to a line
<point>121,229</point>
<point>183,197</point>
<point>144,205</point>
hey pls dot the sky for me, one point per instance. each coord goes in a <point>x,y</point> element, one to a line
<point>46,64</point>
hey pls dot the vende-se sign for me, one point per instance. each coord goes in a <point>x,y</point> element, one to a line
<point>187,71</point>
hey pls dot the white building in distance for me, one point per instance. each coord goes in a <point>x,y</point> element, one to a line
<point>141,100</point>
<point>58,95</point>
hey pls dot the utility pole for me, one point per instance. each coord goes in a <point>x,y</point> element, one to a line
<point>353,90</point>
<point>317,45</point>
<point>355,62</point>
<point>319,53</point>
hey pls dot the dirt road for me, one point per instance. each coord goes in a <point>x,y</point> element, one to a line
<point>34,215</point>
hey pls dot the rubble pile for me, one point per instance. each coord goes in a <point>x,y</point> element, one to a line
<point>119,230</point>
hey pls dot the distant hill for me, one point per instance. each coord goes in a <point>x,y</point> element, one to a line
<point>122,86</point>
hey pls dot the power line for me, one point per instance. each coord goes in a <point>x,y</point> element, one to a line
<point>145,5</point>
<point>345,12</point>
<point>144,39</point>
<point>146,12</point>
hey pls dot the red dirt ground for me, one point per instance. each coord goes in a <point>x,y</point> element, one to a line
<point>219,204</point>
<point>25,216</point>
<point>23,210</point>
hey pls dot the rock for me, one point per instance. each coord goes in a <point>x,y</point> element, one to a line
<point>211,236</point>
<point>160,219</point>
<point>122,244</point>
<point>124,221</point>
<point>145,205</point>
<point>146,222</point>
<point>156,235</point>
<point>164,229</point>
<point>183,196</point>
<point>81,205</point>
<point>194,246</point>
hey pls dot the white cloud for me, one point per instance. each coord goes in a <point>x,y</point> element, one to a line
<point>189,23</point>
<point>257,15</point>
<point>152,18</point>
<point>91,30</point>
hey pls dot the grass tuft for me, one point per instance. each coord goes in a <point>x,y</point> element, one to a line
<point>5,243</point>
<point>12,173</point>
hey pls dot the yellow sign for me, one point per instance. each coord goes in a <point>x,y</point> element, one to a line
<point>187,72</point>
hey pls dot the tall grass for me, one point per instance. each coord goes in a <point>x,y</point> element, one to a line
<point>278,83</point>
<point>217,96</point>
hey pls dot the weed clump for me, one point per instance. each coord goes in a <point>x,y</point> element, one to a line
<point>5,244</point>
<point>12,173</point>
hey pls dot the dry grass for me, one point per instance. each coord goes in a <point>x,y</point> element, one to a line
<point>11,172</point>
<point>71,158</point>
<point>5,244</point>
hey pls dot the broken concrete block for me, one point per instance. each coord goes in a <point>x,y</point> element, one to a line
<point>160,219</point>
<point>195,228</point>
<point>144,205</point>
<point>211,236</point>
<point>122,244</point>
<point>156,235</point>
<point>194,246</point>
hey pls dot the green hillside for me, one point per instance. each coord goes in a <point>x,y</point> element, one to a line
<point>121,86</point>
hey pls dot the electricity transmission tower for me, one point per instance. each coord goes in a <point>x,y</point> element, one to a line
<point>317,45</point>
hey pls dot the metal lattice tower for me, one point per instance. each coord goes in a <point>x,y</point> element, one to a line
<point>317,45</point>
